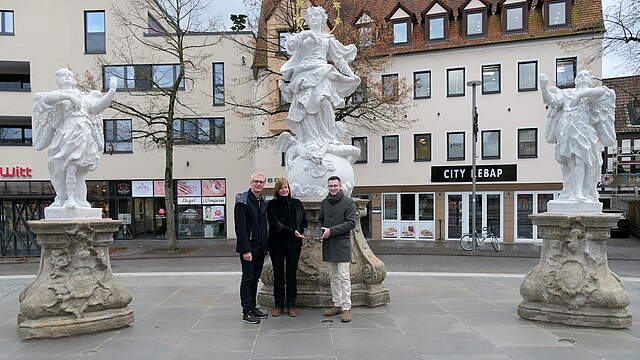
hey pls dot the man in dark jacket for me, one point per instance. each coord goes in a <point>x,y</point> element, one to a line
<point>337,219</point>
<point>250,214</point>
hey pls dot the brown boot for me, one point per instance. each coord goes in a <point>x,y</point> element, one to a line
<point>333,311</point>
<point>276,312</point>
<point>293,313</point>
<point>346,316</point>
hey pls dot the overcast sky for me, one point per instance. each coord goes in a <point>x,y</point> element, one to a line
<point>222,9</point>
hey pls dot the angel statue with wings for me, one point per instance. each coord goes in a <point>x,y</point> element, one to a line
<point>581,122</point>
<point>68,122</point>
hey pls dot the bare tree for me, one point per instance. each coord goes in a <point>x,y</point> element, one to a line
<point>160,96</point>
<point>374,107</point>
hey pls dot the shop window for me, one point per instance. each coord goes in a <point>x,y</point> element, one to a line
<point>422,147</point>
<point>408,216</point>
<point>528,76</point>
<point>527,143</point>
<point>143,77</point>
<point>422,85</point>
<point>117,136</point>
<point>15,76</point>
<point>565,72</point>
<point>360,143</point>
<point>390,148</point>
<point>455,82</point>
<point>6,22</point>
<point>490,79</point>
<point>199,131</point>
<point>455,146</point>
<point>390,85</point>
<point>94,32</point>
<point>218,84</point>
<point>514,18</point>
<point>436,28</point>
<point>527,204</point>
<point>425,207</point>
<point>491,144</point>
<point>556,13</point>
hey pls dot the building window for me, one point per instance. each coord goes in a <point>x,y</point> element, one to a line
<point>199,131</point>
<point>491,79</point>
<point>474,23</point>
<point>491,144</point>
<point>565,72</point>
<point>360,143</point>
<point>117,136</point>
<point>401,32</point>
<point>455,82</point>
<point>390,148</point>
<point>513,18</point>
<point>143,77</point>
<point>390,85</point>
<point>422,147</point>
<point>365,35</point>
<point>436,28</point>
<point>6,22</point>
<point>94,33</point>
<point>633,110</point>
<point>527,143</point>
<point>218,84</point>
<point>422,85</point>
<point>15,135</point>
<point>282,41</point>
<point>556,13</point>
<point>455,146</point>
<point>528,76</point>
<point>408,215</point>
<point>15,76</point>
<point>359,96</point>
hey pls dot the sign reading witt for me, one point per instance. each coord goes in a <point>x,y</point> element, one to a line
<point>484,173</point>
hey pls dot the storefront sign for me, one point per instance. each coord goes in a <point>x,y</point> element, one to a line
<point>189,201</point>
<point>15,171</point>
<point>213,200</point>
<point>142,188</point>
<point>485,173</point>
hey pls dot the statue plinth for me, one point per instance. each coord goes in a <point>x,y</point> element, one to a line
<point>314,289</point>
<point>572,284</point>
<point>75,291</point>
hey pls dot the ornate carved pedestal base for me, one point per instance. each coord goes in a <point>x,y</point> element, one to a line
<point>572,283</point>
<point>367,271</point>
<point>75,291</point>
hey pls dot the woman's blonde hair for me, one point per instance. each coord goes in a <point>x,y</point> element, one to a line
<point>279,184</point>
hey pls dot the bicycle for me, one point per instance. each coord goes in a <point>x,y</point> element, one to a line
<point>488,232</point>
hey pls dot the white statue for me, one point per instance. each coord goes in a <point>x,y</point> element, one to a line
<point>68,122</point>
<point>580,122</point>
<point>315,88</point>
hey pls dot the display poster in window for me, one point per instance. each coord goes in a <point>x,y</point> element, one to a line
<point>426,230</point>
<point>189,200</point>
<point>408,230</point>
<point>214,187</point>
<point>158,188</point>
<point>125,218</point>
<point>142,188</point>
<point>123,189</point>
<point>213,200</point>
<point>389,229</point>
<point>189,188</point>
<point>213,213</point>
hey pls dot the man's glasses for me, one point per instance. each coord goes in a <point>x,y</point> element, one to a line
<point>257,181</point>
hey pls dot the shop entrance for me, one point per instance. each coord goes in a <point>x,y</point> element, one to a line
<point>459,213</point>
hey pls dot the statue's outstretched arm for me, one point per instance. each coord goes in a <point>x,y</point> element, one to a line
<point>102,103</point>
<point>54,97</point>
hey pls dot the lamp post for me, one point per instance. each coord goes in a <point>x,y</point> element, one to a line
<point>474,128</point>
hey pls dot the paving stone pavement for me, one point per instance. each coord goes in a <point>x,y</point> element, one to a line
<point>429,317</point>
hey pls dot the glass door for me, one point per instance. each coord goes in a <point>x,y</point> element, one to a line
<point>455,214</point>
<point>459,214</point>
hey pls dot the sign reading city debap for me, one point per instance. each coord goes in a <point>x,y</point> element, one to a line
<point>484,173</point>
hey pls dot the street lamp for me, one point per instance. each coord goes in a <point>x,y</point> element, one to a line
<point>474,128</point>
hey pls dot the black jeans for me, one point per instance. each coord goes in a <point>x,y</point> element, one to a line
<point>278,258</point>
<point>251,271</point>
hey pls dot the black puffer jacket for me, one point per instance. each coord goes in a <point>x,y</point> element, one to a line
<point>286,215</point>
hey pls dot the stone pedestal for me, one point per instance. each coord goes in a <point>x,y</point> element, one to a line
<point>572,283</point>
<point>75,291</point>
<point>314,290</point>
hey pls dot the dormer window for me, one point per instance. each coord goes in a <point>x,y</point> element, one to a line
<point>365,30</point>
<point>436,22</point>
<point>514,16</point>
<point>633,110</point>
<point>556,13</point>
<point>474,18</point>
<point>436,28</point>
<point>401,32</point>
<point>401,22</point>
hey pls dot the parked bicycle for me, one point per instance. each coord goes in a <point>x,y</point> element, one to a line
<point>488,233</point>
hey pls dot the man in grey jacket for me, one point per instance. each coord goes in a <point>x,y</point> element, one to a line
<point>337,219</point>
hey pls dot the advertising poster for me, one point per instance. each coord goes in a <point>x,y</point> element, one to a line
<point>389,230</point>
<point>408,231</point>
<point>142,188</point>
<point>189,188</point>
<point>158,188</point>
<point>213,187</point>
<point>213,213</point>
<point>426,230</point>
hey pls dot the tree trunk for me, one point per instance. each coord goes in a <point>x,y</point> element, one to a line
<point>169,196</point>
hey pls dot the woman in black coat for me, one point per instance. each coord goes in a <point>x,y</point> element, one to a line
<point>287,222</point>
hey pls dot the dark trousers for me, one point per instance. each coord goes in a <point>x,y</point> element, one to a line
<point>285,265</point>
<point>251,271</point>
